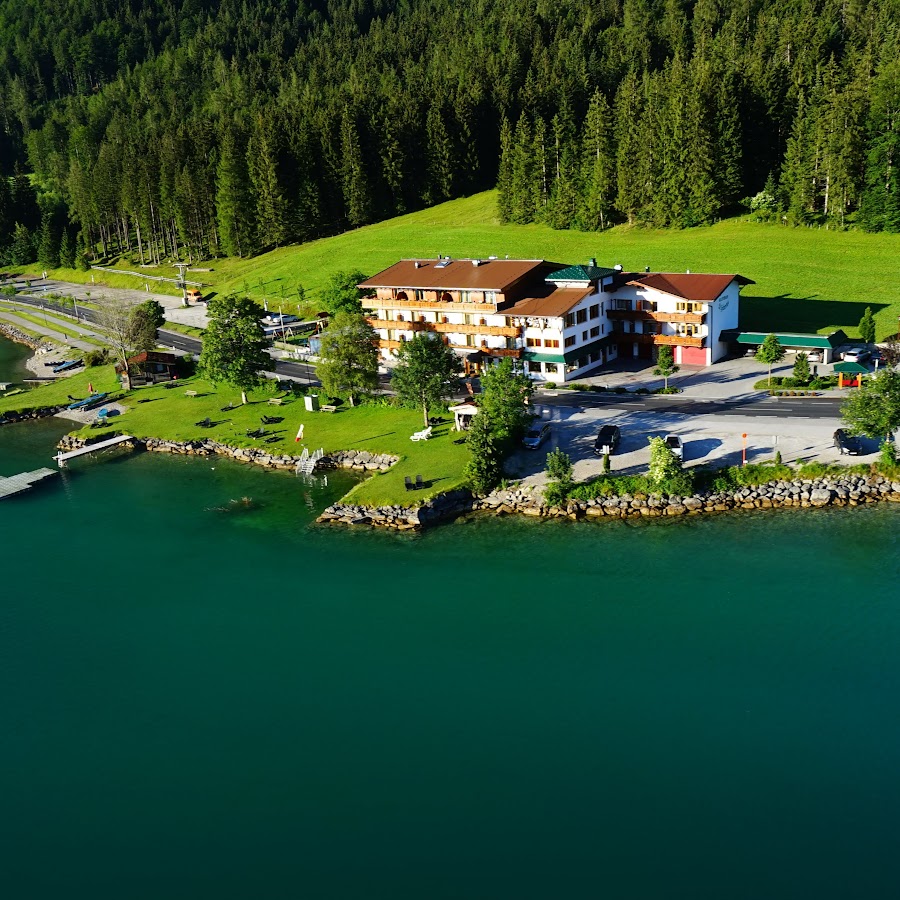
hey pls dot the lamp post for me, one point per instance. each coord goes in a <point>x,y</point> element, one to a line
<point>744,449</point>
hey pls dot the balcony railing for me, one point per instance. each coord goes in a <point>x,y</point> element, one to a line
<point>447,327</point>
<point>679,340</point>
<point>432,304</point>
<point>643,315</point>
<point>489,351</point>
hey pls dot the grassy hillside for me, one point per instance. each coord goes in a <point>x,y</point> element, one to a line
<point>806,279</point>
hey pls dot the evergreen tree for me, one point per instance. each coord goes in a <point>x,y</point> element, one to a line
<point>354,180</point>
<point>48,242</point>
<point>629,148</point>
<point>801,373</point>
<point>598,166</point>
<point>439,153</point>
<point>67,250</point>
<point>271,205</point>
<point>504,173</point>
<point>485,465</point>
<point>22,250</point>
<point>880,206</point>
<point>867,326</point>
<point>522,175</point>
<point>234,207</point>
<point>6,213</point>
<point>541,171</point>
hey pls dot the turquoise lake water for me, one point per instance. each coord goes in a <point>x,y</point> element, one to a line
<point>202,698</point>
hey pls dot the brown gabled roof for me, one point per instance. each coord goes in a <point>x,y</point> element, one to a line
<point>696,287</point>
<point>458,274</point>
<point>154,356</point>
<point>552,302</point>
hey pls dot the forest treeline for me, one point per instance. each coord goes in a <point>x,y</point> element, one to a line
<point>191,127</point>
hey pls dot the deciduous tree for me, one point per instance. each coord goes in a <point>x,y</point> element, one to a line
<point>349,357</point>
<point>874,409</point>
<point>427,372</point>
<point>234,344</point>
<point>770,352</point>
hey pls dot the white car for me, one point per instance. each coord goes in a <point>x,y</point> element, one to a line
<point>674,443</point>
<point>536,435</point>
<point>857,355</point>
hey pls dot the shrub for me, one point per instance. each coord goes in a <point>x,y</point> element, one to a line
<point>888,454</point>
<point>580,387</point>
<point>668,390</point>
<point>94,358</point>
<point>643,390</point>
<point>620,389</point>
<point>549,385</point>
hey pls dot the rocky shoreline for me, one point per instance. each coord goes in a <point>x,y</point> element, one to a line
<point>818,493</point>
<point>346,459</point>
<point>10,332</point>
<point>834,491</point>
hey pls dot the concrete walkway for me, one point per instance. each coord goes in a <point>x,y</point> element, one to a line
<point>27,325</point>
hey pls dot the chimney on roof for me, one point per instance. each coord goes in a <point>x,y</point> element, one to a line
<point>417,264</point>
<point>593,263</point>
<point>476,263</point>
<point>617,267</point>
<point>646,268</point>
<point>688,272</point>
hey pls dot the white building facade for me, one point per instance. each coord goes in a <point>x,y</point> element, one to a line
<point>561,323</point>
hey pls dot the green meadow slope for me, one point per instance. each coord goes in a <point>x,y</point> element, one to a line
<point>807,279</point>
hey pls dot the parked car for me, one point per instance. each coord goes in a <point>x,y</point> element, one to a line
<point>814,356</point>
<point>536,435</point>
<point>674,443</point>
<point>607,440</point>
<point>857,355</point>
<point>847,443</point>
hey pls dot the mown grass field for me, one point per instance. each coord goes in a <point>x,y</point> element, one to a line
<point>173,415</point>
<point>806,279</point>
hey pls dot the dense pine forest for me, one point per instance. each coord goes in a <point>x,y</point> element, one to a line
<point>189,128</point>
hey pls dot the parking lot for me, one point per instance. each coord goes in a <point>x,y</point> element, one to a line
<point>708,440</point>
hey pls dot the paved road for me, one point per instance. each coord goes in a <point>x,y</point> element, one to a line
<point>752,405</point>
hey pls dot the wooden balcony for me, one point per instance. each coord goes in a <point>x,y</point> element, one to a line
<point>431,305</point>
<point>643,315</point>
<point>678,340</point>
<point>447,328</point>
<point>624,337</point>
<point>489,351</point>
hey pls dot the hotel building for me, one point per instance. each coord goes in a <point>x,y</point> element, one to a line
<point>562,323</point>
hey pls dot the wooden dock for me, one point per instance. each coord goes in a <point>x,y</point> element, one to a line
<point>16,484</point>
<point>63,458</point>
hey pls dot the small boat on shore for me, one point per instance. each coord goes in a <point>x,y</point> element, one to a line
<point>69,364</point>
<point>87,402</point>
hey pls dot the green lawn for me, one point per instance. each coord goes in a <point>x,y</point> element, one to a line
<point>172,415</point>
<point>807,279</point>
<point>55,393</point>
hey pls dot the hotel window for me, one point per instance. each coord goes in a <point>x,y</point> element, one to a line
<point>420,295</point>
<point>595,311</point>
<point>490,296</point>
<point>532,342</point>
<point>569,320</point>
<point>622,305</point>
<point>551,368</point>
<point>689,307</point>
<point>570,341</point>
<point>582,362</point>
<point>581,317</point>
<point>584,335</point>
<point>551,342</point>
<point>595,331</point>
<point>688,330</point>
<point>483,322</point>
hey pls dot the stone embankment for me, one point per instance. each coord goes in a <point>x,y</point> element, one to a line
<point>19,337</point>
<point>42,412</point>
<point>352,459</point>
<point>841,490</point>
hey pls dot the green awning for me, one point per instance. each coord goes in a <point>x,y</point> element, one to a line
<point>543,357</point>
<point>849,368</point>
<point>787,339</point>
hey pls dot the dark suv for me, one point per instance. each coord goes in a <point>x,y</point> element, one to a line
<point>607,440</point>
<point>847,443</point>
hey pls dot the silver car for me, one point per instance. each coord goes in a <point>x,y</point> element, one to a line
<point>674,443</point>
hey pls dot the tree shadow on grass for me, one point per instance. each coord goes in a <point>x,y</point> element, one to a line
<point>373,437</point>
<point>802,314</point>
